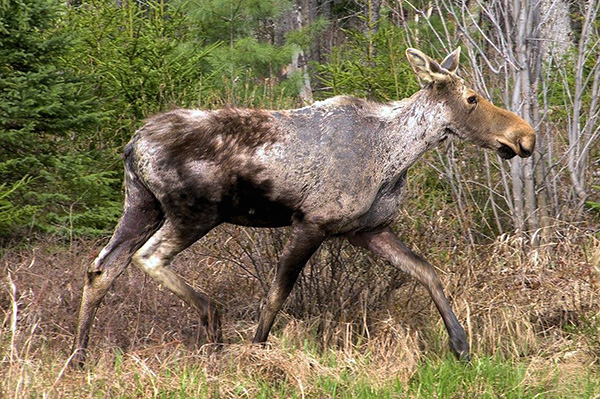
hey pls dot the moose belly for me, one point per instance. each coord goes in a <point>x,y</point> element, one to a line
<point>266,214</point>
<point>249,204</point>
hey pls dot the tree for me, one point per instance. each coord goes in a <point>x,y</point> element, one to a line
<point>527,57</point>
<point>44,109</point>
<point>251,54</point>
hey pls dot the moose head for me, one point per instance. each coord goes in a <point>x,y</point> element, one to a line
<point>471,116</point>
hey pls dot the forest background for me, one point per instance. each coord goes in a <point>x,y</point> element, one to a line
<point>78,77</point>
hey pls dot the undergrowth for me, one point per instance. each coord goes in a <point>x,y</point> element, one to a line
<point>280,371</point>
<point>531,318</point>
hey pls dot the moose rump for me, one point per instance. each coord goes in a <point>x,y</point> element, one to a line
<point>202,168</point>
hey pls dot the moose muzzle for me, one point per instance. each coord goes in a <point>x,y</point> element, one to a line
<point>520,142</point>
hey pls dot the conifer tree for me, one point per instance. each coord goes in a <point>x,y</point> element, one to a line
<point>44,109</point>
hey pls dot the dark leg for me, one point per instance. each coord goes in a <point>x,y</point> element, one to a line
<point>141,218</point>
<point>303,243</point>
<point>386,244</point>
<point>154,257</point>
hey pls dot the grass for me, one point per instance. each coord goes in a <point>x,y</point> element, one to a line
<point>532,321</point>
<point>246,371</point>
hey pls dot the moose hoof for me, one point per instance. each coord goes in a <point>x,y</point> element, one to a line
<point>212,348</point>
<point>461,350</point>
<point>77,360</point>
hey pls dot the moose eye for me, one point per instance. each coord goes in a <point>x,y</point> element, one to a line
<point>472,100</point>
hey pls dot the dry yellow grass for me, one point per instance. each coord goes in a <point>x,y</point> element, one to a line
<point>538,308</point>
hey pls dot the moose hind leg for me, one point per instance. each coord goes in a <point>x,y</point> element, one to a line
<point>141,218</point>
<point>386,244</point>
<point>155,256</point>
<point>305,240</point>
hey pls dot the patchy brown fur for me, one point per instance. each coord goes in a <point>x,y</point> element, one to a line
<point>216,137</point>
<point>335,168</point>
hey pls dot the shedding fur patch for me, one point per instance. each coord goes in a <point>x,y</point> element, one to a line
<point>210,135</point>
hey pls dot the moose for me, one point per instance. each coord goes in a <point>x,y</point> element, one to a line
<point>334,168</point>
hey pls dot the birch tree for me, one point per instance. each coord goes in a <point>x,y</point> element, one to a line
<point>527,50</point>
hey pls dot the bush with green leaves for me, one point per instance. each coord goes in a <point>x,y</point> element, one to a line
<point>157,55</point>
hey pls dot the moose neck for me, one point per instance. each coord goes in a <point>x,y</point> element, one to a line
<point>415,125</point>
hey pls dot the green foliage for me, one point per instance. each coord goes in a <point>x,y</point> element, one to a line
<point>229,20</point>
<point>40,102</point>
<point>78,78</point>
<point>371,65</point>
<point>244,67</point>
<point>86,199</point>
<point>76,81</point>
<point>11,213</point>
<point>46,111</point>
<point>158,55</point>
<point>308,35</point>
<point>593,205</point>
<point>141,59</point>
<point>238,73</point>
<point>491,378</point>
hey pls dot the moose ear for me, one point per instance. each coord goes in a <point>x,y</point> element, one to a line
<point>426,68</point>
<point>450,63</point>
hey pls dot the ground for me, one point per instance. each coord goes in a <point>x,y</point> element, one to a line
<point>532,316</point>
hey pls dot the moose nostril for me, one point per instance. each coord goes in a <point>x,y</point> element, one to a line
<point>524,151</point>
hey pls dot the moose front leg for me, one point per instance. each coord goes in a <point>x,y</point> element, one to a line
<point>386,244</point>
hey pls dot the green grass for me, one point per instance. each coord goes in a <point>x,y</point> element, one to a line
<point>491,378</point>
<point>294,371</point>
<point>484,377</point>
<point>302,371</point>
<point>487,377</point>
